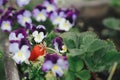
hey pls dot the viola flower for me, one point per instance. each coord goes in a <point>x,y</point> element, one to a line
<point>3,2</point>
<point>7,19</point>
<point>50,7</point>
<point>39,33</point>
<point>58,44</point>
<point>20,54</point>
<point>55,63</point>
<point>22,3</point>
<point>40,15</point>
<point>17,35</point>
<point>6,26</point>
<point>37,51</point>
<point>71,15</point>
<point>23,17</point>
<point>65,25</point>
<point>57,18</point>
<point>20,50</point>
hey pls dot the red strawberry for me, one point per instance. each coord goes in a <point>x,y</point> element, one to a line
<point>38,50</point>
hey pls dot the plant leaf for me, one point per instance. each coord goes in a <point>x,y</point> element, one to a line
<point>83,75</point>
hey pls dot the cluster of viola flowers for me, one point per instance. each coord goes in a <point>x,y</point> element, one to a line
<point>27,41</point>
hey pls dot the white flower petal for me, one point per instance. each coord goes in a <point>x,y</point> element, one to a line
<point>14,47</point>
<point>65,26</point>
<point>12,36</point>
<point>57,70</point>
<point>20,36</point>
<point>35,33</point>
<point>39,37</point>
<point>26,51</point>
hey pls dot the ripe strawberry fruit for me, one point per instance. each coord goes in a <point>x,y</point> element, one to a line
<point>38,50</point>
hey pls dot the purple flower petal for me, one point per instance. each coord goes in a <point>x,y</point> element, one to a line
<point>22,3</point>
<point>47,66</point>
<point>17,35</point>
<point>52,57</point>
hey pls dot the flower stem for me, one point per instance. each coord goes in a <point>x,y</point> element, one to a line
<point>112,71</point>
<point>53,50</point>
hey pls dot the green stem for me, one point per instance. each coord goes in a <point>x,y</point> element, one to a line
<point>112,71</point>
<point>53,50</point>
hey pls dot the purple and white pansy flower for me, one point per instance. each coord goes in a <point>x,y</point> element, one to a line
<point>20,52</point>
<point>19,45</point>
<point>65,25</point>
<point>23,17</point>
<point>64,19</point>
<point>58,45</point>
<point>71,16</point>
<point>17,35</point>
<point>40,13</point>
<point>57,17</point>
<point>6,26</point>
<point>7,19</point>
<point>50,6</point>
<point>39,33</point>
<point>22,3</point>
<point>55,63</point>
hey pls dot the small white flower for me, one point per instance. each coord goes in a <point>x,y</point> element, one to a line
<point>65,25</point>
<point>58,20</point>
<point>40,15</point>
<point>26,17</point>
<point>22,55</point>
<point>6,26</point>
<point>49,7</point>
<point>38,37</point>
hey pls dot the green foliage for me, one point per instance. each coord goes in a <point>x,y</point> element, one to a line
<point>76,70</point>
<point>0,53</point>
<point>75,64</point>
<point>49,38</point>
<point>115,3</point>
<point>32,4</point>
<point>83,75</point>
<point>112,23</point>
<point>34,72</point>
<point>97,54</point>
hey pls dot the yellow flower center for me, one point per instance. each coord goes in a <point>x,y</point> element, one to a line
<point>55,67</point>
<point>38,36</point>
<point>65,25</point>
<point>64,48</point>
<point>25,19</point>
<point>20,54</point>
<point>58,19</point>
<point>6,25</point>
<point>41,15</point>
<point>49,8</point>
